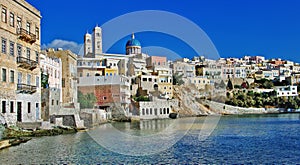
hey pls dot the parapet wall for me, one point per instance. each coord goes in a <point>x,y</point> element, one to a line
<point>229,109</point>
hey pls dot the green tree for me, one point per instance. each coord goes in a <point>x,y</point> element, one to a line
<point>86,101</point>
<point>44,80</point>
<point>268,84</point>
<point>229,85</point>
<point>177,79</point>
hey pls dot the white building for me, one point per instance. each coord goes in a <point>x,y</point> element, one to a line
<point>156,109</point>
<point>186,69</point>
<point>286,91</point>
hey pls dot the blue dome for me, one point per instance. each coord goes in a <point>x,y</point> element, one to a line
<point>133,42</point>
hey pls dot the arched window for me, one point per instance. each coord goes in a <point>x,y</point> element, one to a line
<point>143,111</point>
<point>164,110</point>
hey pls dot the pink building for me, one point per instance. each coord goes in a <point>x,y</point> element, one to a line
<point>156,60</point>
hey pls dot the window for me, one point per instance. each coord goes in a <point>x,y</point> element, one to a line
<point>52,102</point>
<point>29,107</point>
<point>4,17</point>
<point>104,97</point>
<point>19,24</point>
<point>19,78</point>
<point>37,32</point>
<point>28,27</point>
<point>98,44</point>
<point>28,79</point>
<point>56,102</point>
<point>19,50</point>
<point>12,48</point>
<point>4,45</point>
<point>12,19</point>
<point>37,81</point>
<point>36,56</point>
<point>63,82</point>
<point>3,75</point>
<point>12,76</point>
<point>12,107</point>
<point>3,106</point>
<point>28,53</point>
<point>143,111</point>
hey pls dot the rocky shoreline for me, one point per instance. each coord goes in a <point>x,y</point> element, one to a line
<point>15,136</point>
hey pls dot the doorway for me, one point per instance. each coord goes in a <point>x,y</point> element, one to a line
<point>19,111</point>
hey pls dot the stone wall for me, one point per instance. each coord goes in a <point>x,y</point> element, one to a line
<point>93,117</point>
<point>228,109</point>
<point>68,120</point>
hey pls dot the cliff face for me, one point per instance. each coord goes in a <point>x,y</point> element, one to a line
<point>189,105</point>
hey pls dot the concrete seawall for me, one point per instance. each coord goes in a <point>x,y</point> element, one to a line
<point>229,109</point>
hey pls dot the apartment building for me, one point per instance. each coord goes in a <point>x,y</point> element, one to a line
<point>19,61</point>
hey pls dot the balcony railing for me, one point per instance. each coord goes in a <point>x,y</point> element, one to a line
<point>26,36</point>
<point>26,63</point>
<point>24,88</point>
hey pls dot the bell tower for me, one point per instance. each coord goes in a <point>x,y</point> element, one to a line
<point>97,40</point>
<point>87,44</point>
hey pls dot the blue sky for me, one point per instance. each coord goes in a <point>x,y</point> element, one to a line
<point>236,27</point>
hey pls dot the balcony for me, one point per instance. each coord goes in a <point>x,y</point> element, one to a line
<point>24,88</point>
<point>26,63</point>
<point>26,36</point>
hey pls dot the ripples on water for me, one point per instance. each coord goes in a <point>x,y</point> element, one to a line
<point>252,139</point>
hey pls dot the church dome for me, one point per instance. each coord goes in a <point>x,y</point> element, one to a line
<point>133,42</point>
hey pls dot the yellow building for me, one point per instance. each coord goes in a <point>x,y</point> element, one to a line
<point>111,71</point>
<point>19,62</point>
<point>165,84</point>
